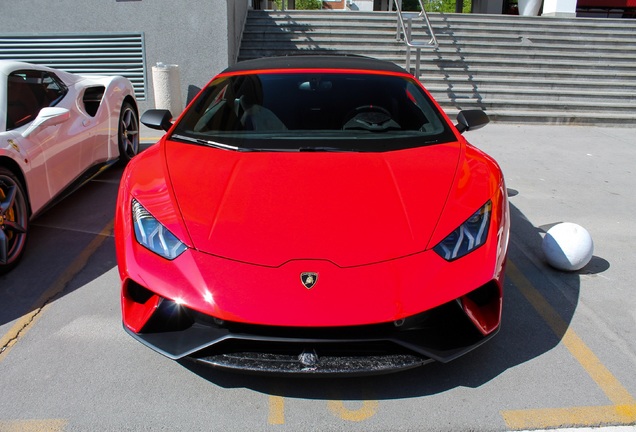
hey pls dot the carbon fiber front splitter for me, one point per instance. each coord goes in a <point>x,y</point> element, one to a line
<point>310,364</point>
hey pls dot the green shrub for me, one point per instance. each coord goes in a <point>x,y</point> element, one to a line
<point>308,4</point>
<point>447,6</point>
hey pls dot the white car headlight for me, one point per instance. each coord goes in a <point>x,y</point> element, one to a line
<point>467,237</point>
<point>154,236</point>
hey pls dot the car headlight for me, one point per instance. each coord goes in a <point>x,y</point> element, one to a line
<point>467,237</point>
<point>154,236</point>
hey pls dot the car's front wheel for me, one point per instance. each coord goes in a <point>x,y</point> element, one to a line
<point>128,133</point>
<point>14,220</point>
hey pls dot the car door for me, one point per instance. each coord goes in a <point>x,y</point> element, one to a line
<point>51,149</point>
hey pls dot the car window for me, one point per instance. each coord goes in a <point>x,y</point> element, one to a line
<point>28,91</point>
<point>352,111</point>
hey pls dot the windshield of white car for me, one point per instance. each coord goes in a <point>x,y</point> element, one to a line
<point>314,111</point>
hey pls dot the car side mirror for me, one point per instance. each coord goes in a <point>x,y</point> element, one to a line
<point>468,120</point>
<point>48,116</point>
<point>193,91</point>
<point>159,119</point>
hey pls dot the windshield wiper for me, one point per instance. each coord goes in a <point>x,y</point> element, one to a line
<point>249,149</point>
<point>210,143</point>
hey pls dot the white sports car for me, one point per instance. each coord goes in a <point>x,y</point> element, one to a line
<point>57,130</point>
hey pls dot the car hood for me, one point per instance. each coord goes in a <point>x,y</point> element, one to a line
<point>270,208</point>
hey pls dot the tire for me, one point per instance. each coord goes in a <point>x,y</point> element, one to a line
<point>14,220</point>
<point>128,133</point>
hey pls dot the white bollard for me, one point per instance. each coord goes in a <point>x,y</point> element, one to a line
<point>568,246</point>
<point>167,88</point>
<point>529,7</point>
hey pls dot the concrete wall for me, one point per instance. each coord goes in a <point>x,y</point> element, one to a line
<point>236,14</point>
<point>201,36</point>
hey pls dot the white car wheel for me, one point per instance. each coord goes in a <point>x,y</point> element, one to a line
<point>14,220</point>
<point>128,133</point>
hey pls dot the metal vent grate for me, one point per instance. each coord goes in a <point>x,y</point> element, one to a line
<point>79,53</point>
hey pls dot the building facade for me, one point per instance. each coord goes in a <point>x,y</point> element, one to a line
<point>202,37</point>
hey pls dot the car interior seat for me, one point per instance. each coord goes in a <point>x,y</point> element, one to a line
<point>22,105</point>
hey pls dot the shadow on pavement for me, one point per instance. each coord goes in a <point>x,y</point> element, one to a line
<point>56,242</point>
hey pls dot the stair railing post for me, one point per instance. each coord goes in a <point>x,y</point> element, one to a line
<point>406,30</point>
<point>417,63</point>
<point>408,33</point>
<point>398,10</point>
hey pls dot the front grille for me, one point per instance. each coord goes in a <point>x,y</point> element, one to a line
<point>442,329</point>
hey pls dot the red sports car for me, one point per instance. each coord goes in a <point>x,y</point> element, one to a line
<point>312,215</point>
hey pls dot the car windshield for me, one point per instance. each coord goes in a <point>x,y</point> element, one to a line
<point>313,111</point>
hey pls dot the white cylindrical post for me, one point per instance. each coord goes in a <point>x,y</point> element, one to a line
<point>167,88</point>
<point>529,7</point>
<point>559,8</point>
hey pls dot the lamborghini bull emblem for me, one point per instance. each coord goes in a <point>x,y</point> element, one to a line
<point>309,279</point>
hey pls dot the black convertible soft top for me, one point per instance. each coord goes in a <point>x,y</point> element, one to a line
<point>315,62</point>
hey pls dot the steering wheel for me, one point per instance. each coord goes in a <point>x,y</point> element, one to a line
<point>370,117</point>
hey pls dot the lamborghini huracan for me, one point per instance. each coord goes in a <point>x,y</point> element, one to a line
<point>57,130</point>
<point>312,215</point>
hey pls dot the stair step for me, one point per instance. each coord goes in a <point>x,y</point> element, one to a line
<point>476,41</point>
<point>518,69</point>
<point>459,93</point>
<point>570,106</point>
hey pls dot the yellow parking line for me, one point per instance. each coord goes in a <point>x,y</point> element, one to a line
<point>26,322</point>
<point>366,410</point>
<point>276,410</point>
<point>568,417</point>
<point>599,373</point>
<point>624,409</point>
<point>51,425</point>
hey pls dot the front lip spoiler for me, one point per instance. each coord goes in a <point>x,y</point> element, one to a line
<point>287,365</point>
<point>193,343</point>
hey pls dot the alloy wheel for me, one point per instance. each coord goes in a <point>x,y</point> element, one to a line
<point>13,220</point>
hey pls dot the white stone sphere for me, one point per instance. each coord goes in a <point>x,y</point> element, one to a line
<point>568,246</point>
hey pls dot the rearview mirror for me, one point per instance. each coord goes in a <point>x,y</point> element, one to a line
<point>468,120</point>
<point>48,116</point>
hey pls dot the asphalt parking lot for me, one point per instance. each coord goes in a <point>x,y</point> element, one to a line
<point>565,356</point>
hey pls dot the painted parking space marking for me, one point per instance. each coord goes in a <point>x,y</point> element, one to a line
<point>367,410</point>
<point>567,417</point>
<point>623,410</point>
<point>364,409</point>
<point>276,410</point>
<point>50,425</point>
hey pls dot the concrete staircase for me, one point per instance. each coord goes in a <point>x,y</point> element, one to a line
<point>518,69</point>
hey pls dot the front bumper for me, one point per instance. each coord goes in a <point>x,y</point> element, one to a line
<point>440,334</point>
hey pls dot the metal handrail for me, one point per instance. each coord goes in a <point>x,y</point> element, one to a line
<point>407,31</point>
